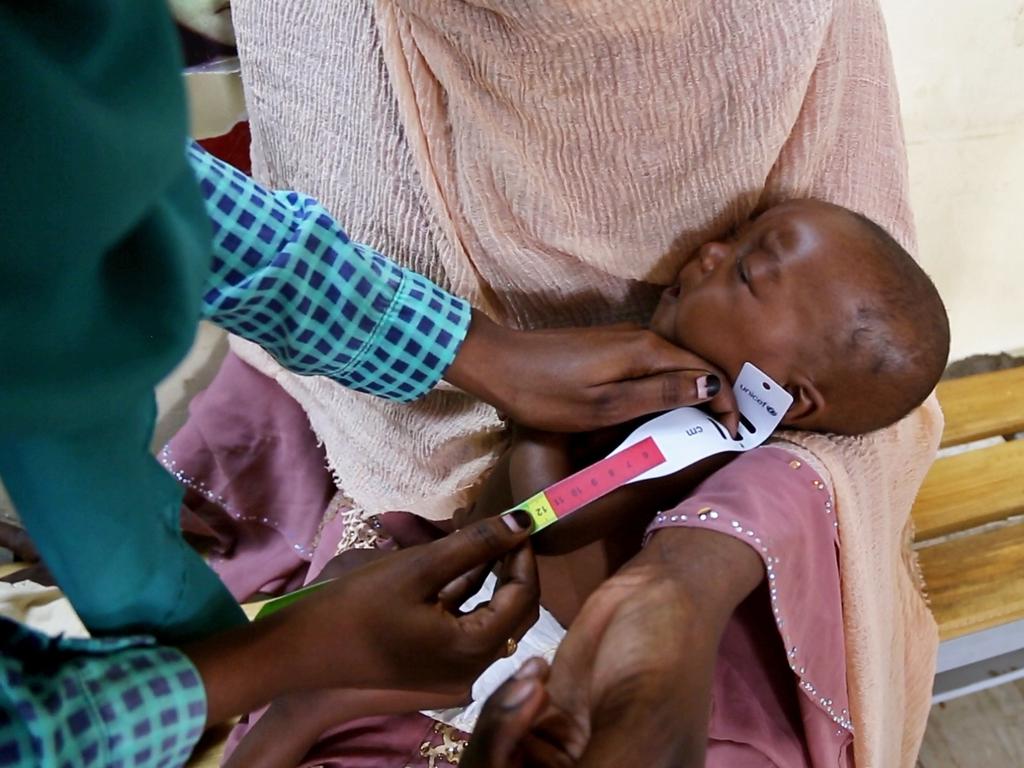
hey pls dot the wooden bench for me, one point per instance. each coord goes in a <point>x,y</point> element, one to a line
<point>969,517</point>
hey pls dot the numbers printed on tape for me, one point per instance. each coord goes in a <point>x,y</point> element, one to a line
<point>540,510</point>
<point>587,485</point>
<point>667,444</point>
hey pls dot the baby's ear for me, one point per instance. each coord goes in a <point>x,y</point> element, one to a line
<point>808,404</point>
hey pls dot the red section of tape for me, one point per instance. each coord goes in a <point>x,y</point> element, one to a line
<point>603,477</point>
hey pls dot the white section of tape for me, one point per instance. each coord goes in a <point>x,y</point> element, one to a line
<point>687,435</point>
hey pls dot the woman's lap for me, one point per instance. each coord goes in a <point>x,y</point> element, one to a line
<point>259,491</point>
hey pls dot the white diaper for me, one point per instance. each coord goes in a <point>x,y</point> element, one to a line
<point>541,639</point>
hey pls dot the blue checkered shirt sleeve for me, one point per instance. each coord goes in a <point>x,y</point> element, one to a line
<point>286,276</point>
<point>111,702</point>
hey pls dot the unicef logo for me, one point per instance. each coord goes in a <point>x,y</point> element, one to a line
<point>771,411</point>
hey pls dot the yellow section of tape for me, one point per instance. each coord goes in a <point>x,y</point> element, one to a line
<point>539,508</point>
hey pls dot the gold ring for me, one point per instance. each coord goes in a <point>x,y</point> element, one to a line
<point>510,646</point>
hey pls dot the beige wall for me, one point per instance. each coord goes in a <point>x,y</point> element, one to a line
<point>960,68</point>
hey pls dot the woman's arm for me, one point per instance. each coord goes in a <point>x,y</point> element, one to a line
<point>125,700</point>
<point>701,560</point>
<point>631,684</point>
<point>296,649</point>
<point>152,701</point>
<point>293,724</point>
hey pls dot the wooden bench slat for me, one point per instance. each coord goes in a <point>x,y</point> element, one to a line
<point>971,489</point>
<point>976,582</point>
<point>983,405</point>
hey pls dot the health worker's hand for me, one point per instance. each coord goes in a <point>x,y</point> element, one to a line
<point>391,624</point>
<point>578,379</point>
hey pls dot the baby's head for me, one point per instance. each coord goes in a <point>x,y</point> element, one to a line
<point>825,302</point>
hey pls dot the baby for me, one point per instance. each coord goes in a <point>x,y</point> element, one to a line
<point>821,299</point>
<point>826,303</point>
<point>818,297</point>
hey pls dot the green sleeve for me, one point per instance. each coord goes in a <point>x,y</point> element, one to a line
<point>105,250</point>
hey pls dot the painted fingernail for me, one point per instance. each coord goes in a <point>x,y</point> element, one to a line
<point>708,386</point>
<point>517,693</point>
<point>517,520</point>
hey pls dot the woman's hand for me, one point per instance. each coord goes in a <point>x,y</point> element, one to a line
<point>391,624</point>
<point>631,683</point>
<point>506,719</point>
<point>630,686</point>
<point>579,379</point>
<point>400,613</point>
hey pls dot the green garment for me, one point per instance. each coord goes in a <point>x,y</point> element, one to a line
<point>104,254</point>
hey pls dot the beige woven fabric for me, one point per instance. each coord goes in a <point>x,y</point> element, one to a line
<point>552,160</point>
<point>891,637</point>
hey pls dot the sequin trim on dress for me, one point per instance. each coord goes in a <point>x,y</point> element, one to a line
<point>839,717</point>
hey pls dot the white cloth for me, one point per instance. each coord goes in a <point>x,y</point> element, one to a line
<point>44,609</point>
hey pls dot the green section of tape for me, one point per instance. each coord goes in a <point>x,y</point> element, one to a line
<point>275,605</point>
<point>540,510</point>
<point>537,507</point>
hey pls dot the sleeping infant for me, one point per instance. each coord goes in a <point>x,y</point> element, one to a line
<point>821,299</point>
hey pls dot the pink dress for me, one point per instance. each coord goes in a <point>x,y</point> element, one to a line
<point>779,695</point>
<point>259,489</point>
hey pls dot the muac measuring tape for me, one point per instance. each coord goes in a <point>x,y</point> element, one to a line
<point>666,444</point>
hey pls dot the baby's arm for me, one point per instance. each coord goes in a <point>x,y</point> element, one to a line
<point>536,460</point>
<point>283,735</point>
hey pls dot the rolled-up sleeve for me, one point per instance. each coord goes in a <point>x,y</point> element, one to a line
<point>286,276</point>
